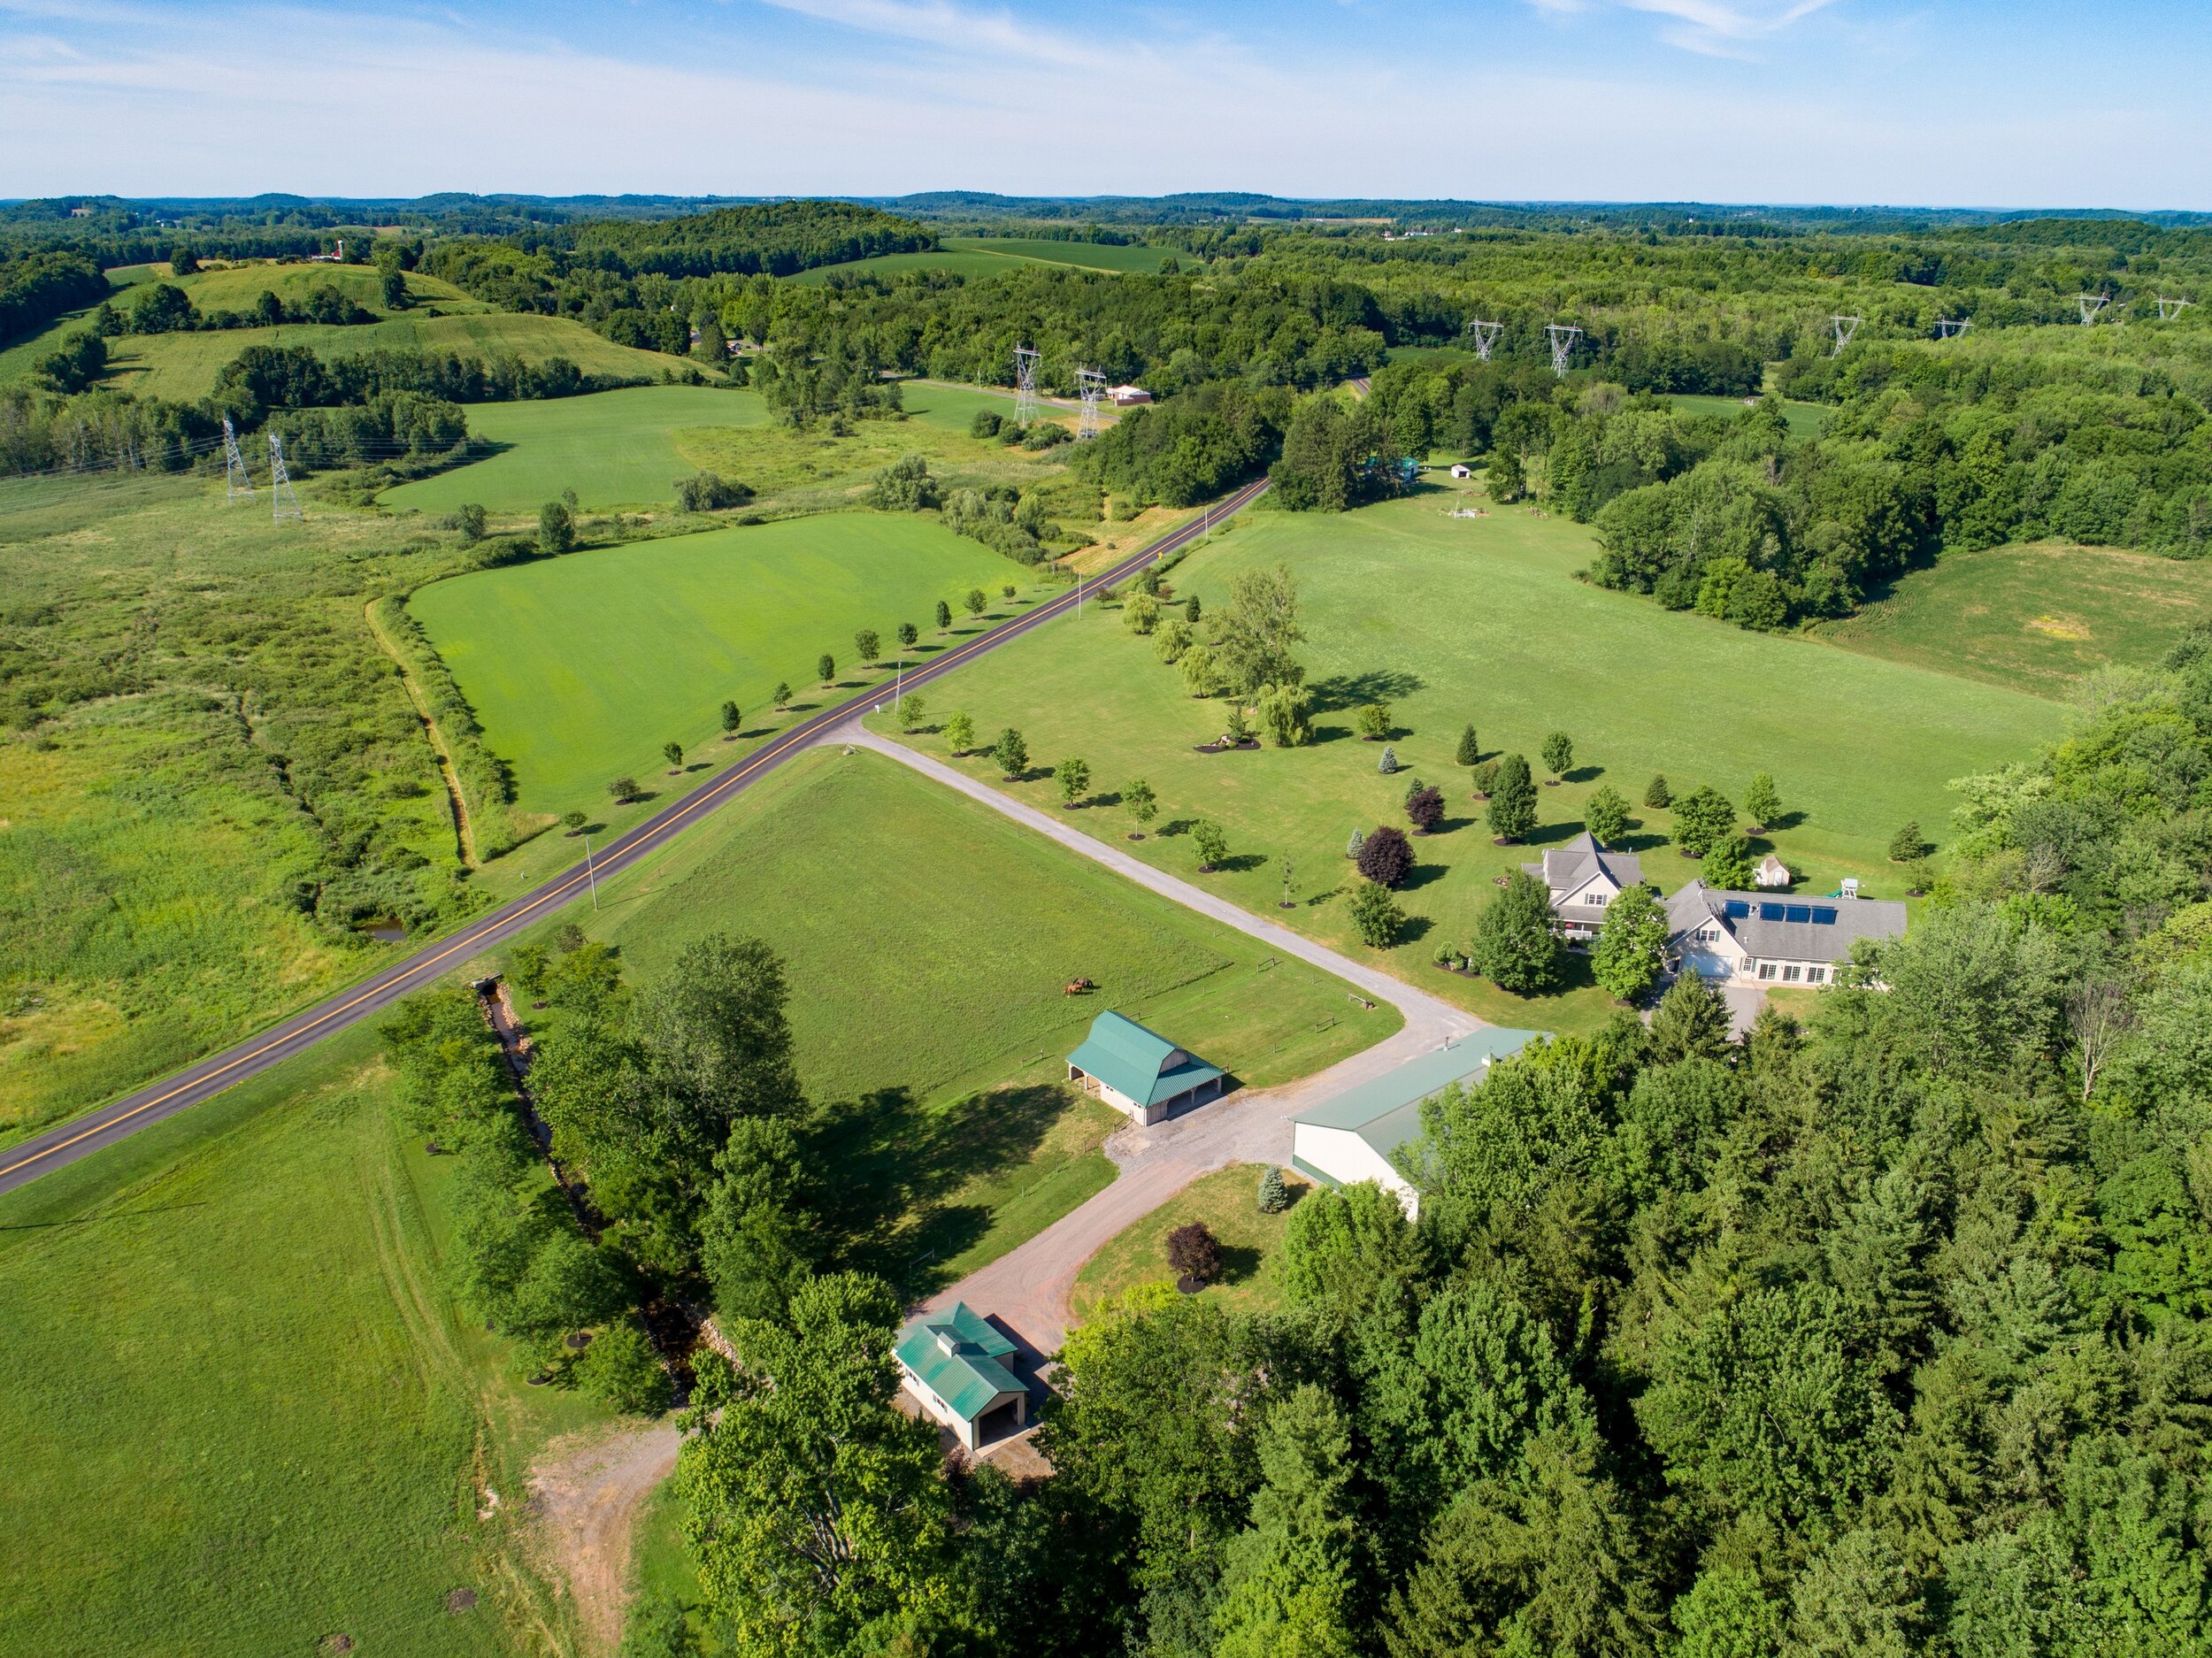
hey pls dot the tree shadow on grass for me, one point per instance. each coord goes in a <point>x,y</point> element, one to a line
<point>1787,820</point>
<point>1239,1264</point>
<point>1551,833</point>
<point>1414,929</point>
<point>1584,774</point>
<point>1640,842</point>
<point>1421,875</point>
<point>1175,827</point>
<point>1240,861</point>
<point>898,1162</point>
<point>1342,691</point>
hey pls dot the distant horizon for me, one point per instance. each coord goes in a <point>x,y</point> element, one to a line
<point>1618,101</point>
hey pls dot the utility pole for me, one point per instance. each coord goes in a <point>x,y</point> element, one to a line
<point>1485,336</point>
<point>1025,385</point>
<point>281,484</point>
<point>1093,384</point>
<point>235,476</point>
<point>1844,328</point>
<point>591,875</point>
<point>2090,304</point>
<point>1562,337</point>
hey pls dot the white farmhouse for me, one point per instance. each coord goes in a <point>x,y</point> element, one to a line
<point>1583,879</point>
<point>1753,939</point>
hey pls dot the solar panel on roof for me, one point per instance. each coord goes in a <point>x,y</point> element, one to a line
<point>1771,912</point>
<point>1822,915</point>
<point>1735,908</point>
<point>1801,912</point>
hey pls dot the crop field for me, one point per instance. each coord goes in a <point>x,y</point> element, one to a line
<point>1457,621</point>
<point>580,668</point>
<point>240,1412</point>
<point>2034,618</point>
<point>1226,1202</point>
<point>994,255</point>
<point>929,942</point>
<point>628,448</point>
<point>614,448</point>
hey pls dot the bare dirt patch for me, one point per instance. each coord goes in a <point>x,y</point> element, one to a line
<point>586,1494</point>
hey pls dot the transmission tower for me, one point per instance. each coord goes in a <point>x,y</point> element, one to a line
<point>2169,308</point>
<point>1950,327</point>
<point>235,476</point>
<point>1025,385</point>
<point>2090,304</point>
<point>1485,336</point>
<point>1562,336</point>
<point>1093,382</point>
<point>1844,328</point>
<point>281,484</point>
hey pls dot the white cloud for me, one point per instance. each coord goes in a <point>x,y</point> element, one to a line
<point>1717,28</point>
<point>938,23</point>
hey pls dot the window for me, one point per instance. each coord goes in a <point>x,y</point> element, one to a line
<point>1766,970</point>
<point>1815,975</point>
<point>1597,900</point>
<point>1792,973</point>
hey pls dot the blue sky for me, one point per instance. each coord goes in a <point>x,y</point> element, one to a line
<point>1979,102</point>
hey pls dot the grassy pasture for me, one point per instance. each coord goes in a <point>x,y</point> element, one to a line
<point>928,941</point>
<point>1227,1201</point>
<point>1451,621</point>
<point>614,448</point>
<point>239,1411</point>
<point>2034,618</point>
<point>994,255</point>
<point>580,668</point>
<point>1805,420</point>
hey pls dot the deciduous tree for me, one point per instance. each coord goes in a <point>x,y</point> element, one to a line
<point>1702,819</point>
<point>1512,809</point>
<point>1605,815</point>
<point>1375,914</point>
<point>1074,777</point>
<point>1631,950</point>
<point>1385,856</point>
<point>1760,802</point>
<point>1516,941</point>
<point>960,734</point>
<point>1011,753</point>
<point>1558,755</point>
<point>1143,805</point>
<point>1211,845</point>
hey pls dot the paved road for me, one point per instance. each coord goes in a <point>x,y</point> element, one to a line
<point>1027,1289</point>
<point>110,1123</point>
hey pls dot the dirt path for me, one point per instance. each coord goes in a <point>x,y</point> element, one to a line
<point>586,1494</point>
<point>464,832</point>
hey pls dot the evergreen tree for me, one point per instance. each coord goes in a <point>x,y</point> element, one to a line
<point>1353,845</point>
<point>1761,804</point>
<point>1512,810</point>
<point>1467,753</point>
<point>1388,761</point>
<point>1658,795</point>
<point>1692,1022</point>
<point>1287,1588</point>
<point>1908,844</point>
<point>1274,1193</point>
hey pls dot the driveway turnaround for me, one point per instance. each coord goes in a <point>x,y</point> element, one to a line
<point>80,1136</point>
<point>1026,1289</point>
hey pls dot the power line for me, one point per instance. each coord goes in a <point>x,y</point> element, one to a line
<point>1485,337</point>
<point>1092,381</point>
<point>2090,304</point>
<point>235,473</point>
<point>1562,336</point>
<point>1025,385</point>
<point>1844,328</point>
<point>281,484</point>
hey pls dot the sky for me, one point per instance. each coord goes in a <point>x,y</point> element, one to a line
<point>1967,103</point>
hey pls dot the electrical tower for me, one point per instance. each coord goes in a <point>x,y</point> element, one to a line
<point>235,476</point>
<point>1093,382</point>
<point>1844,328</point>
<point>2090,304</point>
<point>2169,309</point>
<point>1562,336</point>
<point>1485,336</point>
<point>1025,385</point>
<point>281,484</point>
<point>1950,327</point>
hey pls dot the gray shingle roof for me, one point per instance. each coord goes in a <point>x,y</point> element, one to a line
<point>1565,869</point>
<point>1770,928</point>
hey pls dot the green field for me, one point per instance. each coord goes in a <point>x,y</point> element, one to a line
<point>993,255</point>
<point>1805,420</point>
<point>1226,1202</point>
<point>627,447</point>
<point>2033,617</point>
<point>580,668</point>
<point>614,448</point>
<point>239,1412</point>
<point>1454,621</point>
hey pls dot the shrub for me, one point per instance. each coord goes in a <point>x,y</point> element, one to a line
<point>1194,1251</point>
<point>469,518</point>
<point>986,424</point>
<point>904,486</point>
<point>1385,856</point>
<point>709,492</point>
<point>1425,807</point>
<point>1484,776</point>
<point>1388,762</point>
<point>1372,721</point>
<point>1909,844</point>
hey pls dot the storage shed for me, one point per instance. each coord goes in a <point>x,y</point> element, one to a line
<point>1141,1072</point>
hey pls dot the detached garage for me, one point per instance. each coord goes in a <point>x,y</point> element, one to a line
<point>1352,1137</point>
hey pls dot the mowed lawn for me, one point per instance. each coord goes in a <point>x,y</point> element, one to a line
<point>1457,621</point>
<point>993,255</point>
<point>1226,1203</point>
<point>581,668</point>
<point>929,943</point>
<point>2034,618</point>
<point>239,1411</point>
<point>614,448</point>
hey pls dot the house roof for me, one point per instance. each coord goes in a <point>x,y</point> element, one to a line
<point>956,1354</point>
<point>1385,1111</point>
<point>1569,868</point>
<point>1137,1063</point>
<point>1785,929</point>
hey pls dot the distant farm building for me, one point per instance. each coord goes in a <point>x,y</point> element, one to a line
<point>1128,396</point>
<point>1750,938</point>
<point>1772,872</point>
<point>1352,1137</point>
<point>953,1365</point>
<point>1460,469</point>
<point>1139,1072</point>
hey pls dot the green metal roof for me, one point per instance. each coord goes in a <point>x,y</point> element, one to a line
<point>1138,1063</point>
<point>956,1354</point>
<point>1386,1111</point>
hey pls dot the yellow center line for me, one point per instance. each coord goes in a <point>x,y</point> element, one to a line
<point>473,937</point>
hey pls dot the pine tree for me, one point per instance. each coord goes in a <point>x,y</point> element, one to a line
<point>1352,847</point>
<point>1692,1022</point>
<point>1468,752</point>
<point>1389,761</point>
<point>1908,844</point>
<point>1658,795</point>
<point>1512,810</point>
<point>1274,1195</point>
